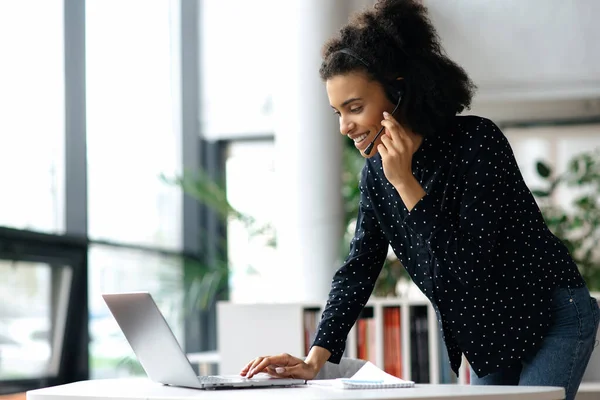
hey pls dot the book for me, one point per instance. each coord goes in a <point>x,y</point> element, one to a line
<point>392,341</point>
<point>311,322</point>
<point>419,345</point>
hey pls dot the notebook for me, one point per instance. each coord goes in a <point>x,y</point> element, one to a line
<point>368,377</point>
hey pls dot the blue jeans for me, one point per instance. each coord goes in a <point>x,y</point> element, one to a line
<point>565,351</point>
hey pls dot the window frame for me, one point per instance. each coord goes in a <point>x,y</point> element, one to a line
<point>73,246</point>
<point>55,250</point>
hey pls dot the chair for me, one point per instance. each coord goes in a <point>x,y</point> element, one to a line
<point>345,369</point>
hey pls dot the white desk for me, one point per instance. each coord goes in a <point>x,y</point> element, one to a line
<point>143,389</point>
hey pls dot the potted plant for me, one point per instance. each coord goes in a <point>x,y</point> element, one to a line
<point>576,224</point>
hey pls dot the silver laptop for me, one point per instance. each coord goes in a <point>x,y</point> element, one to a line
<point>159,353</point>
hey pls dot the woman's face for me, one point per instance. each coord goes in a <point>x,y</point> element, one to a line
<point>359,103</point>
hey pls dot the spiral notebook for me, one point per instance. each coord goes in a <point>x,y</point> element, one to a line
<point>368,377</point>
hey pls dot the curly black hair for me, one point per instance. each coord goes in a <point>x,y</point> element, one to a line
<point>397,39</point>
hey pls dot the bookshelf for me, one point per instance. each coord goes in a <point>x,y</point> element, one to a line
<point>248,330</point>
<point>418,344</point>
<point>399,335</point>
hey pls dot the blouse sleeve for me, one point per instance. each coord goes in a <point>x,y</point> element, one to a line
<point>354,281</point>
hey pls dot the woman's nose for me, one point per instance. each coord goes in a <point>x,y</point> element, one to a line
<point>346,126</point>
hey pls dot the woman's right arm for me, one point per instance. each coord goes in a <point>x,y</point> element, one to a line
<point>351,287</point>
<point>354,281</point>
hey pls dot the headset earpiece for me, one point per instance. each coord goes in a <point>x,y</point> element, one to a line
<point>394,90</point>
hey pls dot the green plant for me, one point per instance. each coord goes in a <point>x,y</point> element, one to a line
<point>207,281</point>
<point>211,193</point>
<point>576,224</point>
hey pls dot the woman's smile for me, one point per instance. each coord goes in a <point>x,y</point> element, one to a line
<point>359,140</point>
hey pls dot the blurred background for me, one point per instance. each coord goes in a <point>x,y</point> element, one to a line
<point>187,148</point>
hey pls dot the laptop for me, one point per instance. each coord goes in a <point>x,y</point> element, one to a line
<point>159,353</point>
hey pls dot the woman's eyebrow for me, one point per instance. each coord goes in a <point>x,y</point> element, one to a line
<point>345,103</point>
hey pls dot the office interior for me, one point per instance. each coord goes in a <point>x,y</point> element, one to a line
<point>187,148</point>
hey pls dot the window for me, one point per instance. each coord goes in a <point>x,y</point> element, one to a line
<point>236,72</point>
<point>113,270</point>
<point>251,182</point>
<point>132,129</point>
<point>133,106</point>
<point>133,136</point>
<point>32,122</point>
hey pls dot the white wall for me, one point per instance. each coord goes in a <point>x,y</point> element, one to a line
<point>239,65</point>
<point>532,59</point>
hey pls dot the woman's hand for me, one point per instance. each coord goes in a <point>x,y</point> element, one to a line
<point>396,155</point>
<point>396,151</point>
<point>280,366</point>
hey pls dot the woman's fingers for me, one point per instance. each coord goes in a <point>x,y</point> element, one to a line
<point>297,371</point>
<point>393,126</point>
<point>392,131</point>
<point>261,364</point>
<point>387,142</point>
<point>245,370</point>
<point>249,369</point>
<point>279,366</point>
<point>272,371</point>
<point>397,146</point>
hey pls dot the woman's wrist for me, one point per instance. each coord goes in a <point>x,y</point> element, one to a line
<point>317,357</point>
<point>411,192</point>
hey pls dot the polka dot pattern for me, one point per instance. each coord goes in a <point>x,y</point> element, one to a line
<point>476,245</point>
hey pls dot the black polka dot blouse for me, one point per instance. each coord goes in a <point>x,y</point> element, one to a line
<point>476,245</point>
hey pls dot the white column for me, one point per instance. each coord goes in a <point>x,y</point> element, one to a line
<point>309,152</point>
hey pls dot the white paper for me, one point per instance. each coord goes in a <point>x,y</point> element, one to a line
<point>370,372</point>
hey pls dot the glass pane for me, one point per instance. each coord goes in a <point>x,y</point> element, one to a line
<point>132,128</point>
<point>227,57</point>
<point>556,146</point>
<point>32,122</point>
<point>30,305</point>
<point>252,257</point>
<point>113,270</point>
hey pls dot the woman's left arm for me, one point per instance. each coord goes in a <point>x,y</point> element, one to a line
<point>464,245</point>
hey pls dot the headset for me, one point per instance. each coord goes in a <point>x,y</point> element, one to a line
<point>393,90</point>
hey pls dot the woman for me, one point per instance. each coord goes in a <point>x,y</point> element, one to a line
<point>446,193</point>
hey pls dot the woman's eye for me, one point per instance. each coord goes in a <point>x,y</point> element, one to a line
<point>356,110</point>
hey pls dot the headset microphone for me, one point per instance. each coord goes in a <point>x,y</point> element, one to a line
<point>370,146</point>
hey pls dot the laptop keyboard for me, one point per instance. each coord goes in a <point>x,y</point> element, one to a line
<point>217,379</point>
